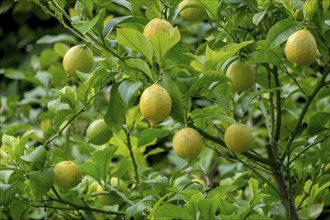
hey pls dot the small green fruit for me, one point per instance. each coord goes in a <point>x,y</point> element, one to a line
<point>194,12</point>
<point>241,74</point>
<point>78,58</point>
<point>67,174</point>
<point>98,132</point>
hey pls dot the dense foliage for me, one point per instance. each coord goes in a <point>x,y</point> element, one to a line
<point>44,113</point>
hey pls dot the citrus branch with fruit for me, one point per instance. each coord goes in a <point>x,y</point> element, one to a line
<point>183,109</point>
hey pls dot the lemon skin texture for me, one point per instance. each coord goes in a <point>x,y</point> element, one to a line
<point>78,58</point>
<point>155,104</point>
<point>301,48</point>
<point>67,174</point>
<point>154,26</point>
<point>98,132</point>
<point>187,143</point>
<point>193,13</point>
<point>241,74</point>
<point>238,138</point>
<point>111,198</point>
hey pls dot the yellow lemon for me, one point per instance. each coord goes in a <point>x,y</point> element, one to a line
<point>67,174</point>
<point>154,26</point>
<point>194,12</point>
<point>241,74</point>
<point>301,48</point>
<point>98,132</point>
<point>187,143</point>
<point>155,104</point>
<point>78,58</point>
<point>238,138</point>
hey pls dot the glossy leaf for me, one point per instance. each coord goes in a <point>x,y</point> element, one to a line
<point>40,182</point>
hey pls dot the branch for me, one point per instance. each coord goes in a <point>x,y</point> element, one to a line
<point>222,143</point>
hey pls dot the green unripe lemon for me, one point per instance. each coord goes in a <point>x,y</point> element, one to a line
<point>288,122</point>
<point>155,104</point>
<point>67,174</point>
<point>238,138</point>
<point>78,58</point>
<point>112,198</point>
<point>241,74</point>
<point>154,26</point>
<point>187,143</point>
<point>301,48</point>
<point>98,132</point>
<point>194,12</point>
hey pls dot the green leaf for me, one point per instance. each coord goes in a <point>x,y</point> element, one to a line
<point>113,23</point>
<point>18,209</point>
<point>85,26</point>
<point>162,42</point>
<point>135,211</point>
<point>7,193</point>
<point>136,41</point>
<point>226,208</point>
<point>281,31</point>
<point>206,79</point>
<point>40,182</point>
<point>98,166</point>
<point>156,206</point>
<point>310,7</point>
<point>19,148</point>
<point>142,66</point>
<point>96,81</point>
<point>257,17</point>
<point>318,123</point>
<point>116,111</point>
<point>211,8</point>
<point>208,208</point>
<point>176,97</point>
<point>88,7</point>
<point>127,90</point>
<point>150,134</point>
<point>253,186</point>
<point>209,112</point>
<point>312,211</point>
<point>50,39</point>
<point>37,157</point>
<point>220,191</point>
<point>170,211</point>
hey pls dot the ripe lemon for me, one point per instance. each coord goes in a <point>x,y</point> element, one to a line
<point>238,138</point>
<point>154,26</point>
<point>193,12</point>
<point>301,48</point>
<point>112,198</point>
<point>98,132</point>
<point>67,174</point>
<point>241,74</point>
<point>155,104</point>
<point>78,58</point>
<point>187,143</point>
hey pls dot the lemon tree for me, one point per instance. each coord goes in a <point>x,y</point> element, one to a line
<point>180,109</point>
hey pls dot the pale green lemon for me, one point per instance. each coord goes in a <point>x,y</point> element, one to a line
<point>98,132</point>
<point>194,12</point>
<point>156,25</point>
<point>242,75</point>
<point>238,138</point>
<point>67,174</point>
<point>78,58</point>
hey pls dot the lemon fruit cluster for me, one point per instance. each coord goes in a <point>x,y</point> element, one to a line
<point>111,198</point>
<point>187,143</point>
<point>193,11</point>
<point>301,48</point>
<point>238,138</point>
<point>67,174</point>
<point>242,75</point>
<point>98,132</point>
<point>155,104</point>
<point>155,26</point>
<point>78,58</point>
